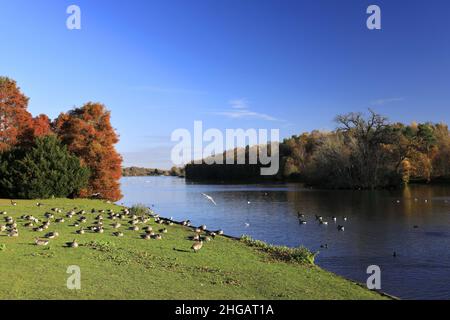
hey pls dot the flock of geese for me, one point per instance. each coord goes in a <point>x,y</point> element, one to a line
<point>118,220</point>
<point>302,221</point>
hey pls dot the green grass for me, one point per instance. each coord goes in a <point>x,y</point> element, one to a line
<point>132,268</point>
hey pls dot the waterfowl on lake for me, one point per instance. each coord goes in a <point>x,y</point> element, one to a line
<point>324,246</point>
<point>197,246</point>
<point>334,219</point>
<point>40,242</point>
<point>345,218</point>
<point>340,228</point>
<point>302,221</point>
<point>325,223</point>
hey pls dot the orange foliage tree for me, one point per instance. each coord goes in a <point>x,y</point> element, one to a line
<point>88,134</point>
<point>15,120</point>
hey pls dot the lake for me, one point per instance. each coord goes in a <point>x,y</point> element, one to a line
<point>414,222</point>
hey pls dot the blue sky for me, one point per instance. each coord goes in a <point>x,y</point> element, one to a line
<point>287,64</point>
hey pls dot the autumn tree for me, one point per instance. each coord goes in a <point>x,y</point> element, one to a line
<point>88,134</point>
<point>15,120</point>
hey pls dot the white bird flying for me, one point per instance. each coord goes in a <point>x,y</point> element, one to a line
<point>209,198</point>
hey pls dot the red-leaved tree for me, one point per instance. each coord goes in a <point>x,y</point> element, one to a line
<point>15,120</point>
<point>88,134</point>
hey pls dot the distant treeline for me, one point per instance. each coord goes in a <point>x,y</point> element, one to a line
<point>141,172</point>
<point>361,153</point>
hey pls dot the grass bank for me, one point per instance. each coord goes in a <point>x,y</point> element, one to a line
<point>132,268</point>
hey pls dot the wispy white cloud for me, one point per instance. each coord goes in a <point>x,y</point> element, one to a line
<point>239,109</point>
<point>239,104</point>
<point>381,102</point>
<point>157,89</point>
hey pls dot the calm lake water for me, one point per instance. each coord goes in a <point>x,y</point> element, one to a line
<point>379,223</point>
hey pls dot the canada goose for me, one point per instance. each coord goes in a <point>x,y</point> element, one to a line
<point>300,215</point>
<point>73,244</point>
<point>39,229</point>
<point>184,223</point>
<point>28,225</point>
<point>157,237</point>
<point>99,230</point>
<point>146,236</point>
<point>324,246</point>
<point>13,203</point>
<point>13,233</point>
<point>196,237</point>
<point>81,231</point>
<point>55,209</point>
<point>52,235</point>
<point>318,217</point>
<point>118,234</point>
<point>2,228</point>
<point>325,223</point>
<point>116,225</point>
<point>212,234</point>
<point>340,228</point>
<point>99,218</point>
<point>197,246</point>
<point>334,219</point>
<point>203,227</point>
<point>134,228</point>
<point>48,215</point>
<point>60,220</point>
<point>3,213</point>
<point>198,230</point>
<point>9,219</point>
<point>40,242</point>
<point>345,219</point>
<point>83,220</point>
<point>302,222</point>
<point>148,228</point>
<point>163,230</point>
<point>76,224</point>
<point>206,239</point>
<point>219,232</point>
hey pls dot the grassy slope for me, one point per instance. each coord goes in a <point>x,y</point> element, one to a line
<point>131,268</point>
